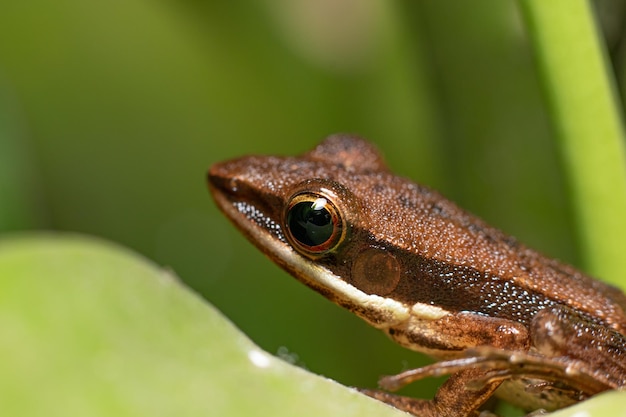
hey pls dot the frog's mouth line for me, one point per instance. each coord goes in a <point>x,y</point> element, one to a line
<point>267,235</point>
<point>236,200</point>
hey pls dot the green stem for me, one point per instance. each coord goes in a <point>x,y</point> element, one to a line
<point>17,208</point>
<point>581,95</point>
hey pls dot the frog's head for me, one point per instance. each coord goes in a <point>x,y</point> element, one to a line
<point>307,214</point>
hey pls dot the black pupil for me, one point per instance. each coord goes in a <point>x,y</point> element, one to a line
<point>310,222</point>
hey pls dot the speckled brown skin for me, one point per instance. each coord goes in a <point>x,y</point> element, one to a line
<point>435,278</point>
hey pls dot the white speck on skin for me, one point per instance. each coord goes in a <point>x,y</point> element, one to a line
<point>259,359</point>
<point>581,414</point>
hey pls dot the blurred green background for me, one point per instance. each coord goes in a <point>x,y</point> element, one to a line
<point>112,111</point>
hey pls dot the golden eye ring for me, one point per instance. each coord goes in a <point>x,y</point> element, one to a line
<point>314,225</point>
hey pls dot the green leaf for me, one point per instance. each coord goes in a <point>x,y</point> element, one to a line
<point>92,329</point>
<point>607,404</point>
<point>587,116</point>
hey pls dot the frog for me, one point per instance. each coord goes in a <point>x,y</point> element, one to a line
<point>500,318</point>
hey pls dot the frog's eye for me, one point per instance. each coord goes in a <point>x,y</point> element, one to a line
<point>314,226</point>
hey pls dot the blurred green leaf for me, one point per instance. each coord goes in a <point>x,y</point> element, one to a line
<point>608,404</point>
<point>92,329</point>
<point>587,115</point>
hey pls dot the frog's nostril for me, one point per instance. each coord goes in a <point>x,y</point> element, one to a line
<point>220,181</point>
<point>233,185</point>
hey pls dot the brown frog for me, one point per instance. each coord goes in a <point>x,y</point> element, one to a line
<point>502,318</point>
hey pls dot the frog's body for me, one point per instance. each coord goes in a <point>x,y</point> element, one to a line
<point>435,278</point>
